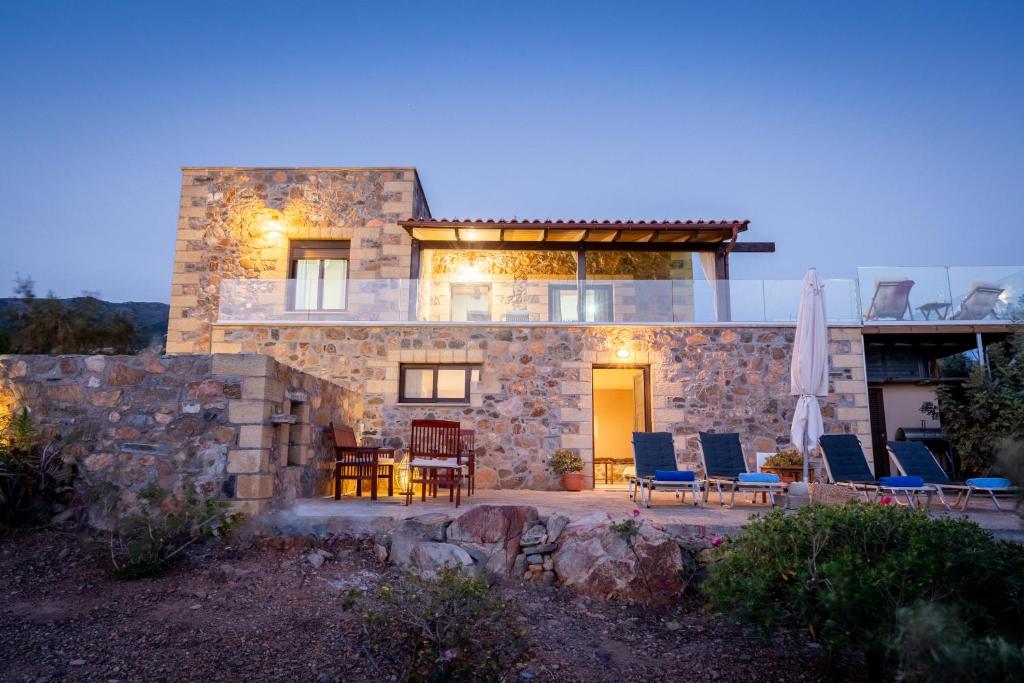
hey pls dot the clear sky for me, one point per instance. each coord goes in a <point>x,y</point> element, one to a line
<point>849,133</point>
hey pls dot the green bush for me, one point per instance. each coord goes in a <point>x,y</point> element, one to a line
<point>145,542</point>
<point>447,627</point>
<point>33,477</point>
<point>845,572</point>
<point>565,460</point>
<point>934,647</point>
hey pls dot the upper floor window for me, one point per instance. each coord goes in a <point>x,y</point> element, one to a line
<point>471,302</point>
<point>564,304</point>
<point>320,272</point>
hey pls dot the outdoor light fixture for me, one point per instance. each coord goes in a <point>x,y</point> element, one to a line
<point>622,353</point>
<point>470,273</point>
<point>272,228</point>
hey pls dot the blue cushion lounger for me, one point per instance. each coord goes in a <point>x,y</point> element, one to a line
<point>914,458</point>
<point>847,465</point>
<point>654,456</point>
<point>901,482</point>
<point>758,477</point>
<point>724,464</point>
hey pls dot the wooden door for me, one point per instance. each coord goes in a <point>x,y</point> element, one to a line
<point>879,436</point>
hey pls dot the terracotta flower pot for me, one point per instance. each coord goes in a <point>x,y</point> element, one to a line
<point>572,481</point>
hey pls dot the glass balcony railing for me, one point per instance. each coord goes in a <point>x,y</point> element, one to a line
<point>592,302</point>
<point>933,294</point>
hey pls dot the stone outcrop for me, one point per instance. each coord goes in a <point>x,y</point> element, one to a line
<point>595,560</point>
<point>492,534</point>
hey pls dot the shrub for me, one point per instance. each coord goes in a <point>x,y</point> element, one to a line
<point>790,457</point>
<point>33,477</point>
<point>933,647</point>
<point>563,460</point>
<point>445,628</point>
<point>844,573</point>
<point>145,542</point>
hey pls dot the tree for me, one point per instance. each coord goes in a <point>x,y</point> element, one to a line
<point>52,325</point>
<point>987,409</point>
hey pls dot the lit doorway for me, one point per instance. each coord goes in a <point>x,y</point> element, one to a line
<point>621,407</point>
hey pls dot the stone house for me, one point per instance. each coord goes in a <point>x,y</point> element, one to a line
<point>537,334</point>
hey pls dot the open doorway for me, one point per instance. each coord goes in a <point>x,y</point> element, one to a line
<point>621,407</point>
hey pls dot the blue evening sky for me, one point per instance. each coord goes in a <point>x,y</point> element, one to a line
<point>849,133</point>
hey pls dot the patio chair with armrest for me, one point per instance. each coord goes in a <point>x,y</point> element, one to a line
<point>654,457</point>
<point>726,468</point>
<point>360,463</point>
<point>891,300</point>
<point>847,465</point>
<point>434,447</point>
<point>913,458</point>
<point>979,303</point>
<point>467,446</point>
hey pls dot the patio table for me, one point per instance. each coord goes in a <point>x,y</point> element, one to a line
<point>939,308</point>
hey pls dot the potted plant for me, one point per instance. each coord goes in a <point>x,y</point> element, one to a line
<point>570,466</point>
<point>787,463</point>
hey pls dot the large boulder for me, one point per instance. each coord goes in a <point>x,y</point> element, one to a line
<point>404,538</point>
<point>595,560</point>
<point>491,534</point>
<point>428,557</point>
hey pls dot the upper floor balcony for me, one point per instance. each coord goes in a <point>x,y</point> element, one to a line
<point>879,296</point>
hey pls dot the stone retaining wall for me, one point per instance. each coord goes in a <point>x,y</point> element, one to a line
<point>535,390</point>
<point>187,423</point>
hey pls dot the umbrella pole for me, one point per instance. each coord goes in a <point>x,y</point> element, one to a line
<point>804,449</point>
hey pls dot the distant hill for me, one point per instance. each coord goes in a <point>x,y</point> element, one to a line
<point>150,316</point>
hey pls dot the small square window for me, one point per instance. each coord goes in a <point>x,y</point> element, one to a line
<point>436,383</point>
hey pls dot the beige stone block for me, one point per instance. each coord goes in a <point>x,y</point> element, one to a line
<point>574,415</point>
<point>846,413</point>
<point>398,186</point>
<point>242,364</point>
<point>577,441</point>
<point>403,207</point>
<point>226,347</point>
<point>254,486</point>
<point>255,436</point>
<point>249,412</point>
<point>192,212</point>
<point>849,386</point>
<point>248,461</point>
<point>263,388</point>
<point>847,360</point>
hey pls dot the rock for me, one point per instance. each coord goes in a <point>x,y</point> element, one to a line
<point>534,559</point>
<point>549,564</point>
<point>595,560</point>
<point>431,556</point>
<point>493,532</point>
<point>519,566</point>
<point>76,662</point>
<point>380,552</point>
<point>95,363</point>
<point>429,527</point>
<point>540,549</point>
<point>556,524</point>
<point>548,578</point>
<point>315,559</point>
<point>535,535</point>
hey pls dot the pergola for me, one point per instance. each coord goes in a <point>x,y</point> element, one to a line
<point>718,237</point>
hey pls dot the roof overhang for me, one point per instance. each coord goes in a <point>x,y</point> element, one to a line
<point>526,234</point>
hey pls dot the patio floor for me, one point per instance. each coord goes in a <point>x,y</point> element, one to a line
<point>354,515</point>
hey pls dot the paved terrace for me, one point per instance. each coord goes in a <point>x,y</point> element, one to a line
<point>361,515</point>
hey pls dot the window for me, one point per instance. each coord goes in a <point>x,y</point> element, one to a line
<point>320,271</point>
<point>471,302</point>
<point>436,383</point>
<point>597,303</point>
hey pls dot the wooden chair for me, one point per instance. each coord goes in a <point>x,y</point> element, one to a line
<point>360,463</point>
<point>433,448</point>
<point>467,446</point>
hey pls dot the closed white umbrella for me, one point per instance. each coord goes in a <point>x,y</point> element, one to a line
<point>808,375</point>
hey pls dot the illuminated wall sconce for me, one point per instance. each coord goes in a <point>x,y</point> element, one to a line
<point>469,273</point>
<point>272,229</point>
<point>622,353</point>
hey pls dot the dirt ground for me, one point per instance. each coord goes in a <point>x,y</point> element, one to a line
<point>263,612</point>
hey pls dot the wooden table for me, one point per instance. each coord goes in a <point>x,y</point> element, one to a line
<point>607,462</point>
<point>939,308</point>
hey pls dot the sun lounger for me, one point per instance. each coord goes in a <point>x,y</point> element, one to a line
<point>846,465</point>
<point>891,300</point>
<point>726,468</point>
<point>914,458</point>
<point>654,457</point>
<point>979,303</point>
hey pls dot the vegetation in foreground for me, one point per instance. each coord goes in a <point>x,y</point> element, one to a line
<point>884,580</point>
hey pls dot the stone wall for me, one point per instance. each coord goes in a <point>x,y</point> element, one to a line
<point>189,423</point>
<point>236,223</point>
<point>535,389</point>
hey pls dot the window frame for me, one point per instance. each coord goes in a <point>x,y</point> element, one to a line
<point>467,285</point>
<point>554,310</point>
<point>468,368</point>
<point>319,250</point>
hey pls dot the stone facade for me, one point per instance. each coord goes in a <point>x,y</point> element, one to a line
<point>188,423</point>
<point>535,391</point>
<point>236,223</point>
